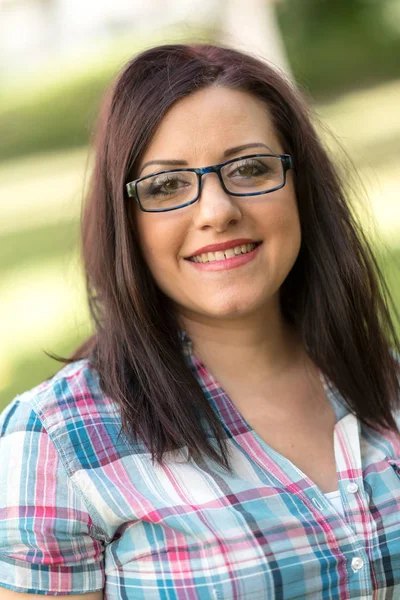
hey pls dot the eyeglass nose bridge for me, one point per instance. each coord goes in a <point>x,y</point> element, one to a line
<point>212,169</point>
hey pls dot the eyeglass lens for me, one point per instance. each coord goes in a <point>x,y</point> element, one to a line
<point>244,176</point>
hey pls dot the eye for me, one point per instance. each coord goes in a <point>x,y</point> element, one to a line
<point>250,168</point>
<point>166,185</point>
<point>247,170</point>
<point>170,185</point>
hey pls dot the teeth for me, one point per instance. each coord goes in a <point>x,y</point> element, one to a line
<point>229,253</point>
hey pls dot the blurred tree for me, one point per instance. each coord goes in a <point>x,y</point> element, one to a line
<point>253,26</point>
<point>337,44</point>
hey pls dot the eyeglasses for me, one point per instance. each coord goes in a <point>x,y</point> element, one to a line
<point>251,175</point>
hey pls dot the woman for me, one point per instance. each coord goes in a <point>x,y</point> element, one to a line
<point>231,429</point>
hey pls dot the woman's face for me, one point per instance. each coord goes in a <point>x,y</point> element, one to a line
<point>198,131</point>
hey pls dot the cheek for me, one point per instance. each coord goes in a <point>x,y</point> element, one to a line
<point>161,237</point>
<point>282,216</point>
<point>284,234</point>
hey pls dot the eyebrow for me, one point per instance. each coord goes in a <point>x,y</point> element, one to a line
<point>227,153</point>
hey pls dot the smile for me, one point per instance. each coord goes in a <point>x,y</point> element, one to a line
<point>208,257</point>
<point>225,260</point>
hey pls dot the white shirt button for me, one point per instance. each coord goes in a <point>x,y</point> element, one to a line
<point>352,487</point>
<point>357,563</point>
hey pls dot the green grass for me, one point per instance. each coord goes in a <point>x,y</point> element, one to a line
<point>42,296</point>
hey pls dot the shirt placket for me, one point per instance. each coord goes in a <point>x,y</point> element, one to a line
<point>355,526</point>
<point>347,443</point>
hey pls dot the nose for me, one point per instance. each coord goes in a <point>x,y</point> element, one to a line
<point>215,208</point>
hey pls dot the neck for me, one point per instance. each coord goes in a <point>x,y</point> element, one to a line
<point>265,344</point>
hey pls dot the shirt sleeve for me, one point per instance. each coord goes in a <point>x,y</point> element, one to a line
<point>48,542</point>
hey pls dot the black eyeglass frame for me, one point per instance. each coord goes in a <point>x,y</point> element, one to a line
<point>286,160</point>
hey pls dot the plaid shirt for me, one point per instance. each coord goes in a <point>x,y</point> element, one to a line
<point>83,509</point>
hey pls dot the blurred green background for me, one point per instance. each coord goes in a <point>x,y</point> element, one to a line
<point>344,55</point>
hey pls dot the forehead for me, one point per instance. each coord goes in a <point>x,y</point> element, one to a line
<point>201,126</point>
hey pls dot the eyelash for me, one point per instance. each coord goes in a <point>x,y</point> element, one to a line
<point>249,163</point>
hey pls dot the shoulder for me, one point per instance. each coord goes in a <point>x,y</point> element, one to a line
<point>40,446</point>
<point>71,409</point>
<point>73,393</point>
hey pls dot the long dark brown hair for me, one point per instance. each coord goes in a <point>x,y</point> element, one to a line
<point>335,294</point>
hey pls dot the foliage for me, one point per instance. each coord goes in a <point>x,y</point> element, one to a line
<point>333,45</point>
<point>56,109</point>
<point>54,116</point>
<point>336,45</point>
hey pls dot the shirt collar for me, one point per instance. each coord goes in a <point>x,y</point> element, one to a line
<point>337,401</point>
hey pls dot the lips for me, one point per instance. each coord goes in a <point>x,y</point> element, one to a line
<point>211,262</point>
<point>207,257</point>
<point>222,247</point>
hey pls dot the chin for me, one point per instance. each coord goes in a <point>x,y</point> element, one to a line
<point>230,309</point>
